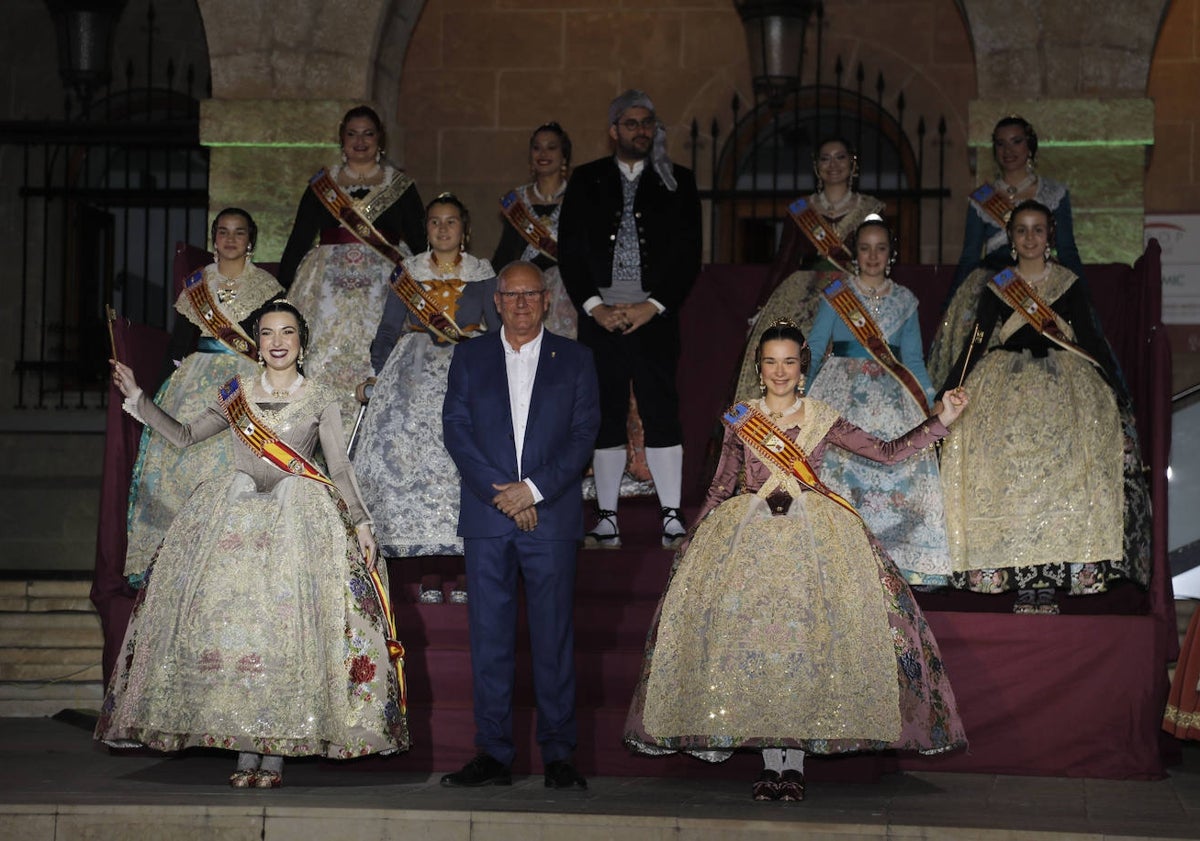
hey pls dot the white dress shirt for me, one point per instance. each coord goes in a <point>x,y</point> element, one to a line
<point>521,365</point>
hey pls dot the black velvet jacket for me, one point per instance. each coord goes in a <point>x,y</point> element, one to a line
<point>668,225</point>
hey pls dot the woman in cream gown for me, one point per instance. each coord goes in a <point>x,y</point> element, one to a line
<point>785,626</point>
<point>163,475</point>
<point>260,629</point>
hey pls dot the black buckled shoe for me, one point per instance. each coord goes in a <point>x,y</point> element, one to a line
<point>483,770</point>
<point>606,534</point>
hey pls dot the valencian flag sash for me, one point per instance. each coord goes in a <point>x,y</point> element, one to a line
<point>264,443</point>
<point>529,226</point>
<point>777,450</point>
<point>820,233</point>
<point>426,310</point>
<point>207,310</point>
<point>1015,291</point>
<point>993,204</point>
<point>341,207</point>
<point>856,318</point>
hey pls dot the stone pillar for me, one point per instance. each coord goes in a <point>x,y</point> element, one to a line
<point>262,153</point>
<point>1097,148</point>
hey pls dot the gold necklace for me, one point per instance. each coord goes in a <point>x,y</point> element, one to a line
<point>442,270</point>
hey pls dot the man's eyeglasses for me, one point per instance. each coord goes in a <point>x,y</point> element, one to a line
<point>633,125</point>
<point>528,296</point>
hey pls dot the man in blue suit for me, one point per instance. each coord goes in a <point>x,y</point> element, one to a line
<point>520,421</point>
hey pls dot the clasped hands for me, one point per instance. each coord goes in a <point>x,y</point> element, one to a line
<point>515,500</point>
<point>624,318</point>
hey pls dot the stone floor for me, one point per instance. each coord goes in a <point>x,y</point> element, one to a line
<point>56,784</point>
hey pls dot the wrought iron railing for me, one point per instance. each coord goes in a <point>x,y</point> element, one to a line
<point>102,198</point>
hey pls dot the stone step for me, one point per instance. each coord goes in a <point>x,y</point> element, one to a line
<point>70,657</point>
<point>35,700</point>
<point>46,595</point>
<point>51,630</point>
<point>53,671</point>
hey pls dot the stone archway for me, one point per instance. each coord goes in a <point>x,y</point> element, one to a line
<point>1079,73</point>
<point>283,73</point>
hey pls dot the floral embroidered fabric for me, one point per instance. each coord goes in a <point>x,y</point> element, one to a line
<point>165,476</point>
<point>258,628</point>
<point>790,629</point>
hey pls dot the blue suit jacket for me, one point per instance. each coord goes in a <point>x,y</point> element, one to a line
<point>564,417</point>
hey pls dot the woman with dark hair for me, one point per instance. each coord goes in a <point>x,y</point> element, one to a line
<point>369,217</point>
<point>1014,149</point>
<point>813,244</point>
<point>531,213</point>
<point>1042,478</point>
<point>408,479</point>
<point>785,626</point>
<point>211,342</point>
<point>263,626</point>
<point>875,376</point>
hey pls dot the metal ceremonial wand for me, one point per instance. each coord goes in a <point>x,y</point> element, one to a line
<point>976,338</point>
<point>111,317</point>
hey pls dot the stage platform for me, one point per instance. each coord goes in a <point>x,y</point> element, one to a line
<point>56,784</point>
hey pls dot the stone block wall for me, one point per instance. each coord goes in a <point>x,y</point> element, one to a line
<point>479,75</point>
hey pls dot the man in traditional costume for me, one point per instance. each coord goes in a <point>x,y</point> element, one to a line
<point>629,251</point>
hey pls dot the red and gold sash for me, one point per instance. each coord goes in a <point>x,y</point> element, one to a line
<point>777,450</point>
<point>206,309</point>
<point>532,229</point>
<point>1015,291</point>
<point>267,445</point>
<point>423,307</point>
<point>993,204</point>
<point>260,438</point>
<point>863,328</point>
<point>820,233</point>
<point>341,207</point>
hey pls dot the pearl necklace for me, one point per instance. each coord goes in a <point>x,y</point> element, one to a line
<point>361,176</point>
<point>1032,280</point>
<point>828,208</point>
<point>1014,191</point>
<point>874,298</point>
<point>795,407</point>
<point>283,393</point>
<point>562,188</point>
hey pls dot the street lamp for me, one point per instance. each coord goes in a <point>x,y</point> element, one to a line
<point>85,39</point>
<point>775,31</point>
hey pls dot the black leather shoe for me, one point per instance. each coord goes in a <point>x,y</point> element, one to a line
<point>483,770</point>
<point>562,774</point>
